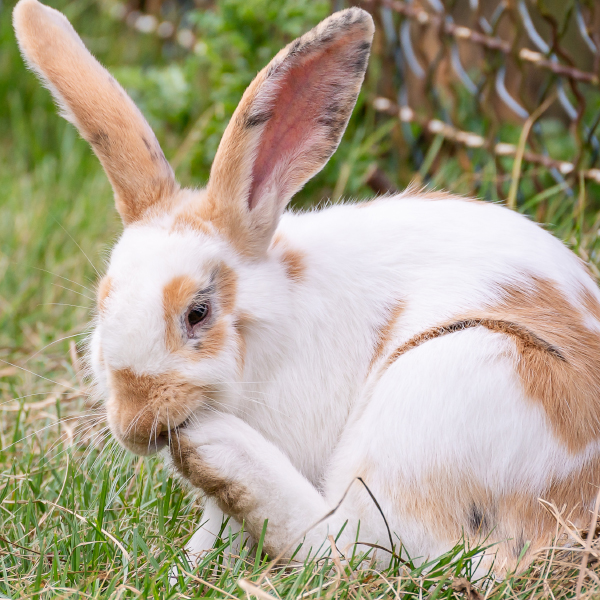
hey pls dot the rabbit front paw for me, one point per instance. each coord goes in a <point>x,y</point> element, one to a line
<point>218,456</point>
<point>249,478</point>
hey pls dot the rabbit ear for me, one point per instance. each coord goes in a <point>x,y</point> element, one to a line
<point>97,105</point>
<point>288,124</point>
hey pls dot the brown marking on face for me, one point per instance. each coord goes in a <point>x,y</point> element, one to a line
<point>226,288</point>
<point>242,348</point>
<point>557,355</point>
<point>143,406</point>
<point>245,319</point>
<point>232,497</point>
<point>104,289</point>
<point>177,295</point>
<point>212,341</point>
<point>383,335</point>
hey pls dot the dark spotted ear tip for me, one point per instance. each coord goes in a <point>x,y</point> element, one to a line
<point>351,17</point>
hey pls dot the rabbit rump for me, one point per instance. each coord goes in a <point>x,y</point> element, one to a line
<point>445,351</point>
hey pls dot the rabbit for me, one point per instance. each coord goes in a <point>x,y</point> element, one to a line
<point>409,371</point>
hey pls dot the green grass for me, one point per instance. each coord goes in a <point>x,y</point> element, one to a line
<point>79,517</point>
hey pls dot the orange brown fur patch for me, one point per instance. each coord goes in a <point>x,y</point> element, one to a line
<point>384,333</point>
<point>568,387</point>
<point>242,321</point>
<point>454,504</point>
<point>103,291</point>
<point>294,261</point>
<point>557,355</point>
<point>242,347</point>
<point>177,295</point>
<point>591,304</point>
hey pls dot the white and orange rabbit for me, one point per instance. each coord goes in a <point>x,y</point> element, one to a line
<point>446,351</point>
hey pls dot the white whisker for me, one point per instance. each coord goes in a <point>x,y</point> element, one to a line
<point>74,291</point>
<point>41,376</point>
<point>68,337</point>
<point>80,248</point>
<point>65,278</point>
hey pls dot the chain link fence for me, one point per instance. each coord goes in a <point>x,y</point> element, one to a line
<point>493,80</point>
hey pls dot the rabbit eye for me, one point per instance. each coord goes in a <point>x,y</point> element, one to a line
<point>198,314</point>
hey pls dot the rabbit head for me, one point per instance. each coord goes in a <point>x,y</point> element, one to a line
<point>167,333</point>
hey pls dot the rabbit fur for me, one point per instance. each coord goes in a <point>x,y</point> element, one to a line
<point>444,350</point>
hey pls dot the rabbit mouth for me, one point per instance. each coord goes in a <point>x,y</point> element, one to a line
<point>183,424</point>
<point>164,439</point>
<point>143,446</point>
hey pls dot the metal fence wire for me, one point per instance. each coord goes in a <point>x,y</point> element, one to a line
<point>464,69</point>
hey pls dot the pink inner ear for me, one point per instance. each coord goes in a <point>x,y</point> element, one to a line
<point>289,147</point>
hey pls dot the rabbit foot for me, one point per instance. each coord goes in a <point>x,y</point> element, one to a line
<point>248,478</point>
<point>213,457</point>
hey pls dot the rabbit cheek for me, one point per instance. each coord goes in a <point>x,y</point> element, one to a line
<point>142,409</point>
<point>177,294</point>
<point>96,362</point>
